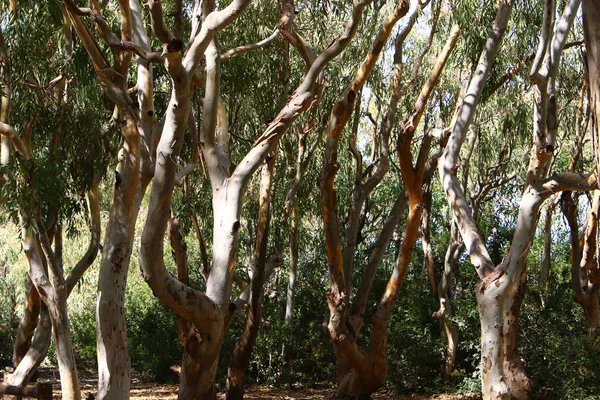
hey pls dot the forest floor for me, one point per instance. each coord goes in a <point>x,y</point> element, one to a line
<point>144,390</point>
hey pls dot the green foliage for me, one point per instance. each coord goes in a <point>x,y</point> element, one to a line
<point>76,141</point>
<point>152,335</point>
<point>83,328</point>
<point>10,289</point>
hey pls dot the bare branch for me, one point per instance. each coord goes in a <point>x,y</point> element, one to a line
<point>157,21</point>
<point>449,162</point>
<point>17,143</point>
<point>214,22</point>
<point>243,49</point>
<point>95,227</point>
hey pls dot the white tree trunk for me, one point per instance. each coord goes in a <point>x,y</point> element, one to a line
<point>35,354</point>
<point>69,380</point>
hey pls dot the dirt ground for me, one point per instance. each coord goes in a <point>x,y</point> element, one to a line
<point>143,390</point>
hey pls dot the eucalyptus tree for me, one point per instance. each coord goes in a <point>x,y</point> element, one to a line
<point>501,289</point>
<point>208,312</point>
<point>591,34</point>
<point>45,184</point>
<point>585,273</point>
<point>363,370</point>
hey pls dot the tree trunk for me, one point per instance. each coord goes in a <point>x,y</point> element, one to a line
<point>449,331</point>
<point>591,311</point>
<point>591,34</point>
<point>111,332</point>
<point>243,348</point>
<point>28,322</point>
<point>584,286</point>
<point>36,353</point>
<point>197,378</point>
<point>503,375</point>
<point>289,305</point>
<point>69,380</point>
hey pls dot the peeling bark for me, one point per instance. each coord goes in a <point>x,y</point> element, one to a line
<point>584,267</point>
<point>501,290</point>
<point>360,370</point>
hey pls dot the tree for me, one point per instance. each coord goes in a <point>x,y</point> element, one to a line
<point>360,370</point>
<point>501,289</point>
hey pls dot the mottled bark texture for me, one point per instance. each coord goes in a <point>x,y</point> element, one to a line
<point>501,290</point>
<point>210,312</point>
<point>362,370</point>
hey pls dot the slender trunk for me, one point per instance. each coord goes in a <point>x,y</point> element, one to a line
<point>442,293</point>
<point>583,285</point>
<point>289,305</point>
<point>54,297</point>
<point>28,322</point>
<point>449,331</point>
<point>546,254</point>
<point>114,363</point>
<point>36,353</point>
<point>69,380</point>
<point>5,98</point>
<point>243,348</point>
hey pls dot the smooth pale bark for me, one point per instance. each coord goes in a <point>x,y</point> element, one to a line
<point>289,303</point>
<point>546,253</point>
<point>242,351</point>
<point>113,356</point>
<point>36,353</point>
<point>27,323</point>
<point>201,345</point>
<point>463,217</point>
<point>131,179</point>
<point>450,331</point>
<point>47,274</point>
<point>54,297</point>
<point>502,288</point>
<point>228,189</point>
<point>4,100</point>
<point>38,349</point>
<point>111,337</point>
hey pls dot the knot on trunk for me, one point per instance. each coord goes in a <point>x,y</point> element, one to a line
<point>117,258</point>
<point>235,227</point>
<point>174,46</point>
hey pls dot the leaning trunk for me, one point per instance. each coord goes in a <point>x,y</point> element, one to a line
<point>36,353</point>
<point>28,322</point>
